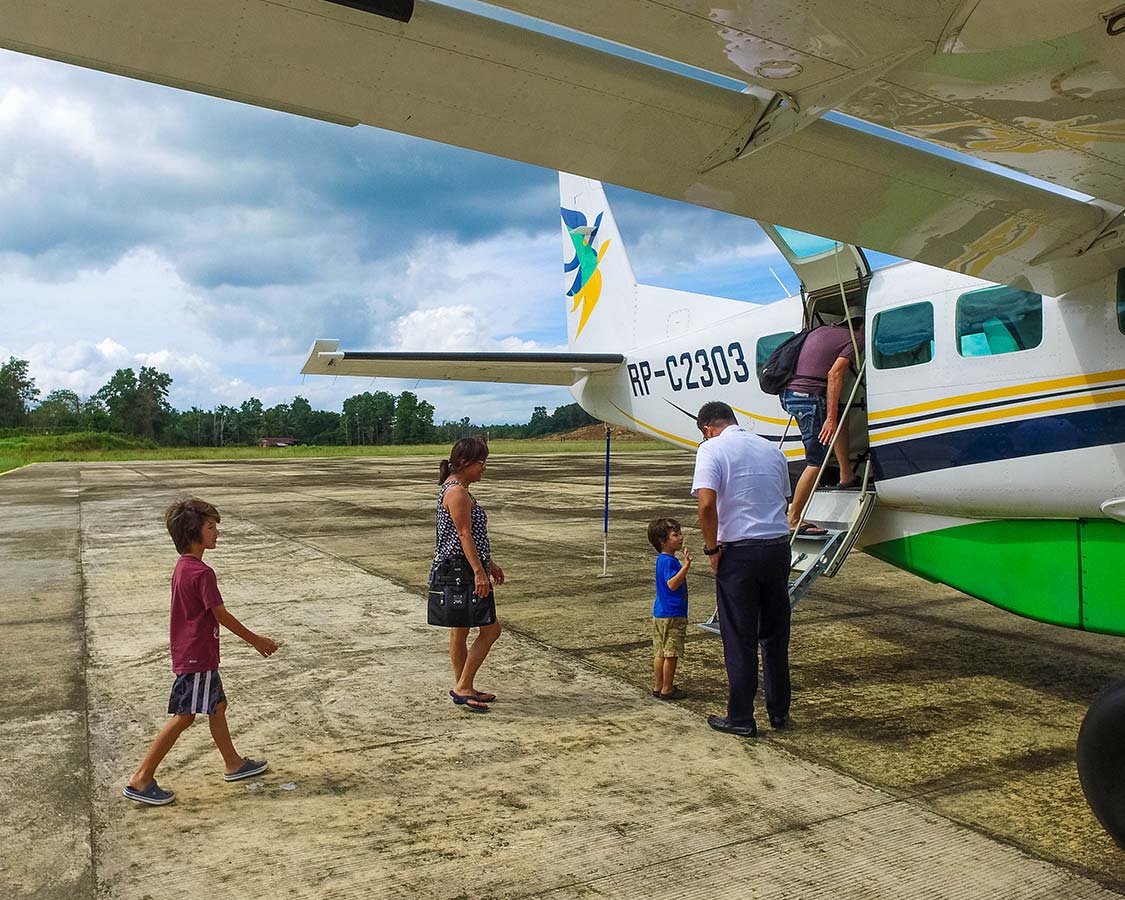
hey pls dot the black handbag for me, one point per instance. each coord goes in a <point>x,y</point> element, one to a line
<point>452,603</point>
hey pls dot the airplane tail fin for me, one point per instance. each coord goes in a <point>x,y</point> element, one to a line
<point>607,310</point>
<point>601,290</point>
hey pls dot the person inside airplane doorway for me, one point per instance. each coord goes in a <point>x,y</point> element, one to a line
<point>812,397</point>
<point>742,483</point>
<point>463,572</point>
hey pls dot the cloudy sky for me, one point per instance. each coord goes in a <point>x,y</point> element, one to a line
<point>215,241</point>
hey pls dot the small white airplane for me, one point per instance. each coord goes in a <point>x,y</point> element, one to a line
<point>995,387</point>
<point>977,396</point>
<point>995,416</point>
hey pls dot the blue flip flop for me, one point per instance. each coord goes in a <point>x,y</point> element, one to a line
<point>469,701</point>
<point>153,795</point>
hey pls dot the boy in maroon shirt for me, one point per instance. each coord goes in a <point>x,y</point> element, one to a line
<point>197,613</point>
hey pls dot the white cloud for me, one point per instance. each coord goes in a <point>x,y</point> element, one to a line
<point>92,119</point>
<point>215,242</point>
<point>112,351</point>
<point>176,363</point>
<point>439,329</point>
<point>511,281</point>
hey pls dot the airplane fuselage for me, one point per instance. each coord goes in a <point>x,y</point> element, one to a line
<point>995,421</point>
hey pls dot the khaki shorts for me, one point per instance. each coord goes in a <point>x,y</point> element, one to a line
<point>668,636</point>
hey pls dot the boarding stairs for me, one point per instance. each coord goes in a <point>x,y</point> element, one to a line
<point>843,514</point>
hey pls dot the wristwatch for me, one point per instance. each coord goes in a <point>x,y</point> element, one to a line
<point>713,550</point>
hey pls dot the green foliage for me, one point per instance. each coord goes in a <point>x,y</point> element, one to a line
<point>540,423</point>
<point>563,419</point>
<point>137,404</point>
<point>61,410</point>
<point>13,457</point>
<point>20,449</point>
<point>570,417</point>
<point>369,418</point>
<point>17,392</point>
<point>75,441</point>
<point>414,420</point>
<point>134,405</point>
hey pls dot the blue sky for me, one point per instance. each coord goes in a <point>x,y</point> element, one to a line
<point>147,226</point>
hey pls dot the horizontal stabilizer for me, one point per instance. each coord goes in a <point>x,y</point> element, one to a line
<point>562,369</point>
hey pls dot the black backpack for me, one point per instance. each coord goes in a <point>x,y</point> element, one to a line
<point>782,364</point>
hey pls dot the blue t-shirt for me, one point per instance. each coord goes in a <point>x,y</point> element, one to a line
<point>668,603</point>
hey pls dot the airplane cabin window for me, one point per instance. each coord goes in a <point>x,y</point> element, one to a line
<point>766,346</point>
<point>1121,300</point>
<point>998,320</point>
<point>903,337</point>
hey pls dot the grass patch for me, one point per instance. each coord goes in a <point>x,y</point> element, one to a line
<point>94,447</point>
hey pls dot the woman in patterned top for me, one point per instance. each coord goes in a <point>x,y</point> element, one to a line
<point>462,531</point>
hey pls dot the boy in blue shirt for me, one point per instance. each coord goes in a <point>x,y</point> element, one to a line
<point>669,612</point>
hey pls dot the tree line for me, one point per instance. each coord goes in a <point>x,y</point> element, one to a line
<point>135,404</point>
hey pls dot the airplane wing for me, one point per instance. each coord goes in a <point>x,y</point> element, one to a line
<point>1035,86</point>
<point>463,79</point>
<point>562,369</point>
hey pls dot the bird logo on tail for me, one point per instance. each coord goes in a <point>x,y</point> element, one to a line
<point>587,286</point>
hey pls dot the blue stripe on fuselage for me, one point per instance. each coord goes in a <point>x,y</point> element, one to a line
<point>1005,440</point>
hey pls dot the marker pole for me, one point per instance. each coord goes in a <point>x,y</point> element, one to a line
<point>605,517</point>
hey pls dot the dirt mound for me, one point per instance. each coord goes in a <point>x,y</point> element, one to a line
<point>596,432</point>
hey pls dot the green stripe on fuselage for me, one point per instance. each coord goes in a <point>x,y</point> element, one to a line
<point>1063,572</point>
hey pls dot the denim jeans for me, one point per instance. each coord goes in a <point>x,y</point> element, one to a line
<point>810,411</point>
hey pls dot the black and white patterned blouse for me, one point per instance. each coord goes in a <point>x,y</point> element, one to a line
<point>448,543</point>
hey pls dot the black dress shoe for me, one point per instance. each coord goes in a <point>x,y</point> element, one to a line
<point>722,723</point>
<point>779,722</point>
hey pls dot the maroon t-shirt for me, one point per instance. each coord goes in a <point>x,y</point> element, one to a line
<point>193,629</point>
<point>819,352</point>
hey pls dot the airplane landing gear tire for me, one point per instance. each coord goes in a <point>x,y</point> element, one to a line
<point>1101,759</point>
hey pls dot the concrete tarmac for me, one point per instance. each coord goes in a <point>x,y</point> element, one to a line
<point>931,753</point>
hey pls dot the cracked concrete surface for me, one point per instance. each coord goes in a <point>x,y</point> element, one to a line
<point>932,753</point>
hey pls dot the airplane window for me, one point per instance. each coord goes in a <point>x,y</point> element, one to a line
<point>803,245</point>
<point>903,337</point>
<point>998,320</point>
<point>766,346</point>
<point>1121,300</point>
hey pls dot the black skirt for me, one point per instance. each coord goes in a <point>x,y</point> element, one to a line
<point>452,603</point>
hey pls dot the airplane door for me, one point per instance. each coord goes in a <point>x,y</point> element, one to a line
<point>820,263</point>
<point>834,278</point>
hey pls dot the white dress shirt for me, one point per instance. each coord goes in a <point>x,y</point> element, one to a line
<point>750,478</point>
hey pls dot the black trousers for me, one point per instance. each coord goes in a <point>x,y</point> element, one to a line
<point>753,593</point>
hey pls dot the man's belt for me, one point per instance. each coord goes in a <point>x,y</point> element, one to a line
<point>756,542</point>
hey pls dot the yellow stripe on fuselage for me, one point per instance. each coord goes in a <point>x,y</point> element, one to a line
<point>1013,391</point>
<point>751,415</point>
<point>654,430</point>
<point>993,415</point>
<point>789,454</point>
<point>680,440</point>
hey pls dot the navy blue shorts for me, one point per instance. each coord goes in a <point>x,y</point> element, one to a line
<point>196,693</point>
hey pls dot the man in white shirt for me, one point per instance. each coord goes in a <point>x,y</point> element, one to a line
<point>742,483</point>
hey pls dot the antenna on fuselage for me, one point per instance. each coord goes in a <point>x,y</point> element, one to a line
<point>779,281</point>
